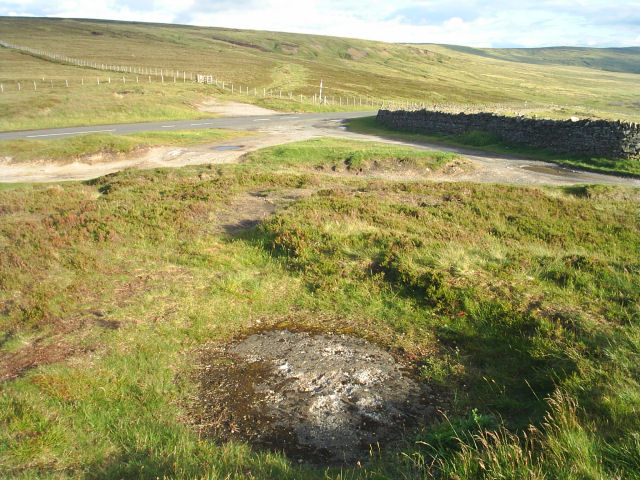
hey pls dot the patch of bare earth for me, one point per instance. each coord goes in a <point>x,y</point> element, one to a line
<point>319,397</point>
<point>399,170</point>
<point>14,364</point>
<point>356,54</point>
<point>229,108</point>
<point>250,209</point>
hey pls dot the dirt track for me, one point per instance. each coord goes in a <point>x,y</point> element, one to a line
<point>279,129</point>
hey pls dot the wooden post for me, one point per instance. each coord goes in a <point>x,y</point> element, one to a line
<point>18,86</point>
<point>51,83</point>
<point>264,92</point>
<point>34,86</point>
<point>98,79</point>
<point>82,82</point>
<point>149,78</point>
<point>300,98</point>
<point>66,82</point>
<point>232,88</point>
<point>1,88</point>
<point>123,80</point>
<point>184,77</point>
<point>136,79</point>
<point>280,93</point>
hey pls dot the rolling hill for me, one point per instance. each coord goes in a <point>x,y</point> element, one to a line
<point>296,63</point>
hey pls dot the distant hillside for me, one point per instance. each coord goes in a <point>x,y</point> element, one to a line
<point>296,63</point>
<point>625,60</point>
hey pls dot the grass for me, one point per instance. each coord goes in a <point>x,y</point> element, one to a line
<point>69,148</point>
<point>293,63</point>
<point>345,155</point>
<point>519,305</point>
<point>489,142</point>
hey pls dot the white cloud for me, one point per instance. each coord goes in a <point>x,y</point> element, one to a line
<point>468,22</point>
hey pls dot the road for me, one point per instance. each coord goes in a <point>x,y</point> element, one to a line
<point>231,123</point>
<point>278,129</point>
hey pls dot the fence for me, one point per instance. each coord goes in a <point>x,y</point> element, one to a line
<point>145,74</point>
<point>168,76</point>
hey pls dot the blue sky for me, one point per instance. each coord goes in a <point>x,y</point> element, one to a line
<point>489,23</point>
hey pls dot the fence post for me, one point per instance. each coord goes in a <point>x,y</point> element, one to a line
<point>1,88</point>
<point>18,86</point>
<point>66,82</point>
<point>123,80</point>
<point>136,79</point>
<point>149,78</point>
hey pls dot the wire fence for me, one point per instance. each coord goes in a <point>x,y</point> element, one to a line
<point>337,99</point>
<point>138,74</point>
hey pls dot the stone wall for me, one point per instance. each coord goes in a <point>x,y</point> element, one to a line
<point>599,138</point>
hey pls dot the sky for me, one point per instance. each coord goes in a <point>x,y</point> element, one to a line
<point>476,23</point>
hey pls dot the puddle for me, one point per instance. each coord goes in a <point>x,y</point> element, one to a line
<point>322,398</point>
<point>227,147</point>
<point>546,170</point>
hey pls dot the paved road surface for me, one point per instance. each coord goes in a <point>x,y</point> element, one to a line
<point>283,128</point>
<point>232,123</point>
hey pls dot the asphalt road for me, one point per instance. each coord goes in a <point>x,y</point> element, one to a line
<point>232,123</point>
<point>283,128</point>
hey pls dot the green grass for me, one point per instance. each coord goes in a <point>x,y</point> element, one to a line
<point>489,142</point>
<point>294,63</point>
<point>70,148</point>
<point>347,155</point>
<point>519,305</point>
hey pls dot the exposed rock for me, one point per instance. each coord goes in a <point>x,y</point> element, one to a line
<point>320,397</point>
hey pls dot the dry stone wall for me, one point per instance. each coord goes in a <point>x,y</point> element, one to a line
<point>599,138</point>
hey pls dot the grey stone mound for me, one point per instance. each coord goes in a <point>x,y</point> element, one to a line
<point>319,397</point>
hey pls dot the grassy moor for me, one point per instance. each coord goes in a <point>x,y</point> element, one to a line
<point>324,308</point>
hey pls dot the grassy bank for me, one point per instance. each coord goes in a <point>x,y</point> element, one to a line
<point>65,150</point>
<point>519,306</point>
<point>488,142</point>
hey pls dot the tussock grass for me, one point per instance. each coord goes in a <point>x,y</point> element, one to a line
<point>520,306</point>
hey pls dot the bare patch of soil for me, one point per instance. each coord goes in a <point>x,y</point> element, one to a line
<point>232,109</point>
<point>250,209</point>
<point>318,397</point>
<point>12,365</point>
<point>356,54</point>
